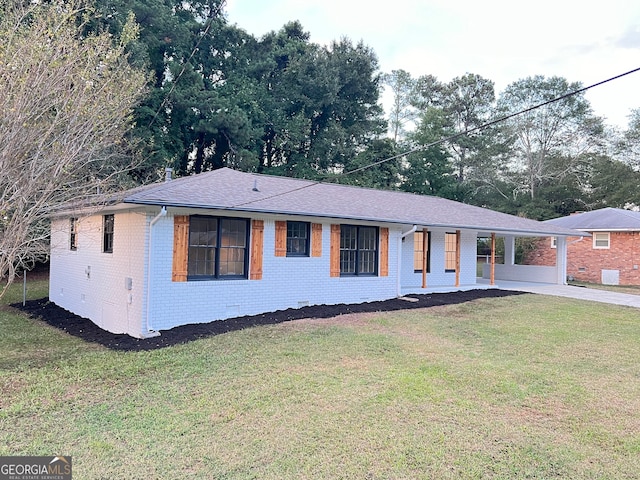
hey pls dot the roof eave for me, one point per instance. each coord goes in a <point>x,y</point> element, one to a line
<point>563,232</point>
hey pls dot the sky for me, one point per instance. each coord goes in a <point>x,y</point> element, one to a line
<point>501,40</point>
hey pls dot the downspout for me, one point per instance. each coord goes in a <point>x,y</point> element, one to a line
<point>399,255</point>
<point>149,331</point>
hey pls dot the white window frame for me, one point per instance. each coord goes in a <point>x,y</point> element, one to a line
<point>596,239</point>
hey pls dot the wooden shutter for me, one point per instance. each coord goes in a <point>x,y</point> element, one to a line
<point>316,239</point>
<point>180,248</point>
<point>281,239</point>
<point>384,252</point>
<point>334,261</point>
<point>257,236</point>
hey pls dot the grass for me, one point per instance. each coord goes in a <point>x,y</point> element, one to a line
<point>630,289</point>
<point>516,387</point>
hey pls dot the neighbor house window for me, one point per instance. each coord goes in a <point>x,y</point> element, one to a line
<point>358,250</point>
<point>601,240</point>
<point>297,239</point>
<point>107,233</point>
<point>450,252</point>
<point>217,247</point>
<point>73,233</point>
<point>418,250</point>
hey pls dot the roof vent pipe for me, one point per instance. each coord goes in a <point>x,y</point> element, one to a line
<point>255,186</point>
<point>167,174</point>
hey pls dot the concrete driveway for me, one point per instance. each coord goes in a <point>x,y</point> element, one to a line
<point>569,291</point>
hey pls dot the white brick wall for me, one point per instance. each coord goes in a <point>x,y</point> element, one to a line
<point>437,277</point>
<point>91,283</point>
<point>287,282</point>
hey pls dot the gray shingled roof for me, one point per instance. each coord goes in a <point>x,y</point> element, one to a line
<point>234,191</point>
<point>605,219</point>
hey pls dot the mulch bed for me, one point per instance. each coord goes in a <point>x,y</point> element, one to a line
<point>85,329</point>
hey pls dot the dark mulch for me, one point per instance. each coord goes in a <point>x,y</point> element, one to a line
<point>57,317</point>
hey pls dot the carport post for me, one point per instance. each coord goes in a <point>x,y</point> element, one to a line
<point>492,276</point>
<point>509,250</point>
<point>561,260</point>
<point>457,258</point>
<point>425,246</point>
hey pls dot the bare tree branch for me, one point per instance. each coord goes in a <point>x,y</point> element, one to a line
<point>66,101</point>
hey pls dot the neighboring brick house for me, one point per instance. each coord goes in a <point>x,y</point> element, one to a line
<point>610,256</point>
<point>225,244</point>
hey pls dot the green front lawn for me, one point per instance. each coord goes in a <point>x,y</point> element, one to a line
<point>630,289</point>
<point>516,387</point>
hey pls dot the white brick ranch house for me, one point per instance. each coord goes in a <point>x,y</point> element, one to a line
<point>224,244</point>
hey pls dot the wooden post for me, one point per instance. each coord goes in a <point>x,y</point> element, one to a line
<point>492,276</point>
<point>457,258</point>
<point>425,246</point>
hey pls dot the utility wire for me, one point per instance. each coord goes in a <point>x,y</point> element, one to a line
<point>493,122</point>
<point>451,137</point>
<point>212,16</point>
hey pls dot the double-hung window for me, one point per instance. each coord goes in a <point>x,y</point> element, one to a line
<point>108,222</point>
<point>217,247</point>
<point>601,240</point>
<point>358,250</point>
<point>450,252</point>
<point>73,233</point>
<point>419,252</point>
<point>297,239</point>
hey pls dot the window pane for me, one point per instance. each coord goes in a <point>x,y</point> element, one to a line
<point>202,243</point>
<point>367,250</point>
<point>348,254</point>
<point>233,242</point>
<point>203,231</point>
<point>232,261</point>
<point>73,226</point>
<point>417,251</point>
<point>298,238</point>
<point>107,238</point>
<point>348,237</point>
<point>418,241</point>
<point>347,261</point>
<point>296,246</point>
<point>367,238</point>
<point>233,233</point>
<point>601,240</point>
<point>202,260</point>
<point>367,262</point>
<point>450,251</point>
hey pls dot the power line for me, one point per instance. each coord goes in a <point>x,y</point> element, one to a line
<point>493,122</point>
<point>212,16</point>
<point>451,137</point>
